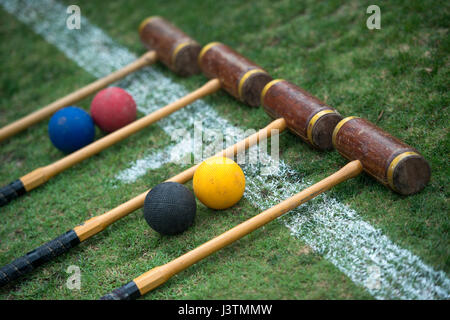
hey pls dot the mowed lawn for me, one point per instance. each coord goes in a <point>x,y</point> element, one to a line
<point>397,77</point>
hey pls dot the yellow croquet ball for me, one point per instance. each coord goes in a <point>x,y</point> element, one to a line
<point>219,183</point>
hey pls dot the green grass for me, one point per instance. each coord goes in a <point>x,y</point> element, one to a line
<point>400,72</point>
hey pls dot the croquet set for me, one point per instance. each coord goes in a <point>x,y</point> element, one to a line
<point>218,182</point>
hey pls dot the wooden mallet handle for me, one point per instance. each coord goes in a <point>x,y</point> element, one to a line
<point>165,42</point>
<point>386,158</point>
<point>157,276</point>
<point>43,174</point>
<point>91,227</point>
<point>99,223</point>
<point>45,112</point>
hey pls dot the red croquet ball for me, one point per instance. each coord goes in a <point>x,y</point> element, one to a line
<point>113,108</point>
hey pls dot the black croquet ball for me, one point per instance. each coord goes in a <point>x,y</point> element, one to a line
<point>170,208</point>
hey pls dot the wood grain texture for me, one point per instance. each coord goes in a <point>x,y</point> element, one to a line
<point>175,49</point>
<point>301,110</point>
<point>239,76</point>
<point>359,139</point>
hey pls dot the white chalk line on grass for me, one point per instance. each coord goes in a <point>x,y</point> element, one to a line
<point>332,229</point>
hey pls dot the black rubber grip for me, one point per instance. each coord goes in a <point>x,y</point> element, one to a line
<point>11,191</point>
<point>127,292</point>
<point>38,256</point>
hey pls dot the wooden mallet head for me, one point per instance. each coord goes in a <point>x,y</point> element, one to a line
<point>174,48</point>
<point>305,115</point>
<point>384,157</point>
<point>239,76</point>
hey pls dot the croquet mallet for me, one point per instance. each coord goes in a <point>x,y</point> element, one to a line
<point>236,74</point>
<point>170,45</point>
<point>369,148</point>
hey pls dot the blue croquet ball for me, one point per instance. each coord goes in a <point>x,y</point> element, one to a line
<point>70,129</point>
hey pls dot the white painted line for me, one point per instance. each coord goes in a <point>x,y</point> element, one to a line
<point>367,256</point>
<point>332,229</point>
